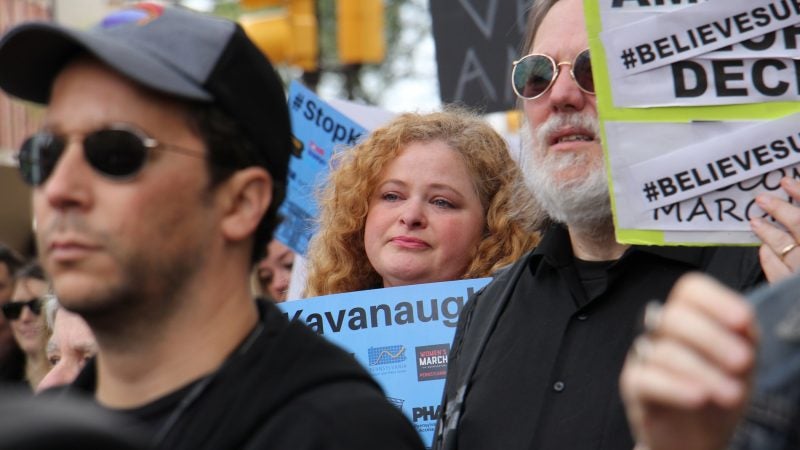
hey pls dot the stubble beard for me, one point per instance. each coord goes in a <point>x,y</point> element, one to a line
<point>142,291</point>
<point>581,202</point>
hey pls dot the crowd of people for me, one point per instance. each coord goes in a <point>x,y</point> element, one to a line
<point>156,182</point>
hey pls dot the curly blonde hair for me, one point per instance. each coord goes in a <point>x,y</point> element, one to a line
<point>337,258</point>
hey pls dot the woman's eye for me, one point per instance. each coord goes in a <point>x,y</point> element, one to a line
<point>54,360</point>
<point>442,203</point>
<point>390,196</point>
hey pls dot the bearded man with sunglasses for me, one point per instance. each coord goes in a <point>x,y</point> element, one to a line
<point>537,354</point>
<point>156,181</point>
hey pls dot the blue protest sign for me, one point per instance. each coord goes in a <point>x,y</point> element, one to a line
<point>401,335</point>
<point>318,130</point>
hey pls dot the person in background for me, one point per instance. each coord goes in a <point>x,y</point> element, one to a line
<point>274,271</point>
<point>24,313</point>
<point>428,197</point>
<point>156,181</point>
<point>12,359</point>
<point>542,346</point>
<point>70,346</point>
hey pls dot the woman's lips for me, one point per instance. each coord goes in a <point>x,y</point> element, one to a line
<point>409,242</point>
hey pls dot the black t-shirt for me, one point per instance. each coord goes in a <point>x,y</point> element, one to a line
<point>593,276</point>
<point>153,416</point>
<point>284,387</point>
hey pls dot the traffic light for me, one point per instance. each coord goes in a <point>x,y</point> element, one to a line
<point>254,4</point>
<point>287,34</point>
<point>360,25</point>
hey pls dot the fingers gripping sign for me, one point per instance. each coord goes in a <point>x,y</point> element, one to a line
<point>779,254</point>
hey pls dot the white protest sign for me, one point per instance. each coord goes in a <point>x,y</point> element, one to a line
<point>714,163</point>
<point>691,31</point>
<point>762,69</point>
<point>783,43</point>
<point>701,81</point>
<point>726,209</point>
<point>732,83</point>
<point>642,6</point>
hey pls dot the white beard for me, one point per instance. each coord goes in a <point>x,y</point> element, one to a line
<point>581,203</point>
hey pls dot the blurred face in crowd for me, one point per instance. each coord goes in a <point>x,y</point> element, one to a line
<point>275,271</point>
<point>425,218</point>
<point>6,283</point>
<point>70,346</point>
<point>112,245</point>
<point>29,327</point>
<point>564,164</point>
<point>6,289</point>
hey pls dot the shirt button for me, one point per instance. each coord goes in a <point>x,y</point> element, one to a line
<point>583,317</point>
<point>558,386</point>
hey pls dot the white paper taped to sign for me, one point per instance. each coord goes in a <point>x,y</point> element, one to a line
<point>715,163</point>
<point>726,209</point>
<point>692,31</point>
<point>643,6</point>
<point>700,81</point>
<point>783,43</point>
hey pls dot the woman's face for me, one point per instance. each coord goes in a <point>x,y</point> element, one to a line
<point>29,328</point>
<point>425,219</point>
<point>275,271</point>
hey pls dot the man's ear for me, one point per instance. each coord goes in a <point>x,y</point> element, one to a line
<point>245,197</point>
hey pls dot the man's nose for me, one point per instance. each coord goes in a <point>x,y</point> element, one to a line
<point>67,187</point>
<point>565,95</point>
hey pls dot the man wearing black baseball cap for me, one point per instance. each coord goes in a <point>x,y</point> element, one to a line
<point>156,179</point>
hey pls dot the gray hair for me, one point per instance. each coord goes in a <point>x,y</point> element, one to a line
<point>51,306</point>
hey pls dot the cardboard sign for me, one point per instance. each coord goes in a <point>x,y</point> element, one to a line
<point>688,32</point>
<point>714,163</point>
<point>759,69</point>
<point>401,335</point>
<point>688,174</point>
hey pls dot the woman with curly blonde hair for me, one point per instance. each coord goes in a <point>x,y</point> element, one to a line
<point>428,197</point>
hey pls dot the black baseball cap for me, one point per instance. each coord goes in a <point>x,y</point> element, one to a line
<point>172,50</point>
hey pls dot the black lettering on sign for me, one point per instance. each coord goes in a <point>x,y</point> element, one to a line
<point>339,133</point>
<point>722,76</point>
<point>697,81</point>
<point>646,3</point>
<point>733,78</point>
<point>384,315</point>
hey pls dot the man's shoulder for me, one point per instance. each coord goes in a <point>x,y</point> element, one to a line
<point>504,278</point>
<point>288,385</point>
<point>341,415</point>
<point>322,398</point>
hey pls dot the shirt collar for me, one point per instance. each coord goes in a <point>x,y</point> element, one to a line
<point>556,249</point>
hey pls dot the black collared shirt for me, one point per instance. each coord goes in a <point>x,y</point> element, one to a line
<point>548,376</point>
